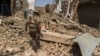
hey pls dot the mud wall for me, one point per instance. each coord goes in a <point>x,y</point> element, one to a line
<point>89,14</point>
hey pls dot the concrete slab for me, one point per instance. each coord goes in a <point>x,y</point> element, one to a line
<point>56,37</point>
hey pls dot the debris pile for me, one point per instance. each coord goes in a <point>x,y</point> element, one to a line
<point>14,41</point>
<point>58,23</point>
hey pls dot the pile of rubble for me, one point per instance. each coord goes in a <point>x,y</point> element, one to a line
<point>59,24</point>
<point>15,42</point>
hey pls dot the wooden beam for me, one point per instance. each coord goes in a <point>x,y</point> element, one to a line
<point>74,10</point>
<point>13,7</point>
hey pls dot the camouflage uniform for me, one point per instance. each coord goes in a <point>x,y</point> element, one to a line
<point>32,26</point>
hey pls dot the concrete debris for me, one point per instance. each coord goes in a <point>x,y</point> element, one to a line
<point>29,53</point>
<point>42,53</point>
<point>57,35</point>
<point>87,43</point>
<point>97,51</point>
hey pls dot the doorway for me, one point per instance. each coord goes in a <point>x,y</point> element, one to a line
<point>5,7</point>
<point>89,14</point>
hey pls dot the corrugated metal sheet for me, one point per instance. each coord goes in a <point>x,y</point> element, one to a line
<point>87,43</point>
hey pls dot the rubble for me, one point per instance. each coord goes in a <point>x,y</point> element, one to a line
<point>58,31</point>
<point>14,41</point>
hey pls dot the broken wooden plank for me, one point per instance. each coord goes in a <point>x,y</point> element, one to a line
<point>56,37</point>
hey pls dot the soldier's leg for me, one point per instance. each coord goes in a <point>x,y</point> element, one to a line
<point>34,42</point>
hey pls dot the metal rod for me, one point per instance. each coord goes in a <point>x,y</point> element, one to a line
<point>68,9</point>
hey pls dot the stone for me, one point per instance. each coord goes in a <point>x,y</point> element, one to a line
<point>16,55</point>
<point>29,52</point>
<point>96,53</point>
<point>10,49</point>
<point>43,53</point>
<point>1,47</point>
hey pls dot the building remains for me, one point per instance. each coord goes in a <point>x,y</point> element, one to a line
<point>61,33</point>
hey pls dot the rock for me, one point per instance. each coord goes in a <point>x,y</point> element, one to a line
<point>16,49</point>
<point>16,55</point>
<point>29,52</point>
<point>96,53</point>
<point>17,18</point>
<point>43,53</point>
<point>10,49</point>
<point>22,48</point>
<point>1,47</point>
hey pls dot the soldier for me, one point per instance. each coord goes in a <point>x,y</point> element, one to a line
<point>33,27</point>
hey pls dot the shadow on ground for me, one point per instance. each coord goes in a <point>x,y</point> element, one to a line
<point>75,50</point>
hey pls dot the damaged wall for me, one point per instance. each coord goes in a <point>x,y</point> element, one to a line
<point>89,14</point>
<point>50,8</point>
<point>58,7</point>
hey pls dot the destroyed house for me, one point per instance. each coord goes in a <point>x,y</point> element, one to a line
<point>88,11</point>
<point>8,7</point>
<point>67,7</point>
